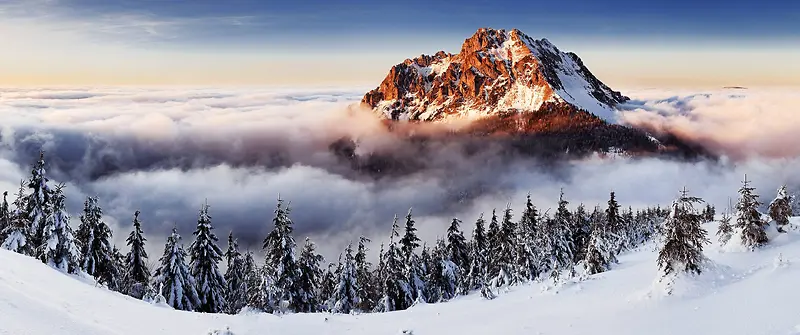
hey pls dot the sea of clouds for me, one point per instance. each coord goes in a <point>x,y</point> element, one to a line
<point>165,151</point>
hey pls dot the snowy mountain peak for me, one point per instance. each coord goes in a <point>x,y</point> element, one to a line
<point>496,71</point>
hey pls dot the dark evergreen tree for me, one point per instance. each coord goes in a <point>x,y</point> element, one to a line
<point>478,273</point>
<point>58,249</point>
<point>494,246</point>
<point>5,214</point>
<point>581,229</point>
<point>725,229</point>
<point>780,209</point>
<point>38,205</point>
<point>506,250</point>
<point>345,295</point>
<point>458,253</point>
<point>599,253</point>
<point>327,287</point>
<point>413,267</point>
<point>614,226</point>
<point>236,277</point>
<point>310,278</point>
<point>174,278</point>
<point>205,256</point>
<point>530,246</point>
<point>560,244</point>
<point>749,222</point>
<point>684,238</point>
<point>709,212</point>
<point>396,293</point>
<point>280,258</point>
<point>17,236</point>
<point>94,236</point>
<point>136,261</point>
<point>367,293</point>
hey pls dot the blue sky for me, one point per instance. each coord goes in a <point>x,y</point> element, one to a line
<point>249,31</point>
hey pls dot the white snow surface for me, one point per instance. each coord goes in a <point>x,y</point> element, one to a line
<point>741,293</point>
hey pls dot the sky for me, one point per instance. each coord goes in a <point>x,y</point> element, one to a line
<point>354,42</point>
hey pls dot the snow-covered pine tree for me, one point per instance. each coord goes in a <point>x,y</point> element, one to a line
<point>709,212</point>
<point>174,277</point>
<point>327,286</point>
<point>530,245</point>
<point>58,249</point>
<point>684,238</point>
<point>561,243</point>
<point>258,293</point>
<point>725,229</point>
<point>345,295</point>
<point>581,230</point>
<point>235,277</point>
<point>310,278</point>
<point>458,253</point>
<point>5,214</point>
<point>780,209</point>
<point>120,269</point>
<point>506,250</point>
<point>38,205</point>
<point>599,253</point>
<point>397,293</point>
<point>614,226</point>
<point>478,255</point>
<point>279,247</point>
<point>367,294</point>
<point>136,261</point>
<point>205,256</point>
<point>413,268</point>
<point>17,236</point>
<point>493,246</point>
<point>749,222</point>
<point>94,237</point>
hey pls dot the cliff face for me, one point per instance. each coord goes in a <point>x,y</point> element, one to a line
<point>496,71</point>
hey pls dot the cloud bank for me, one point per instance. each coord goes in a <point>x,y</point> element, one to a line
<point>165,151</point>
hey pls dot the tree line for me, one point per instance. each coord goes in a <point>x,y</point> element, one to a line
<point>502,251</point>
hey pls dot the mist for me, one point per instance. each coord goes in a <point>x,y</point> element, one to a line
<point>167,151</point>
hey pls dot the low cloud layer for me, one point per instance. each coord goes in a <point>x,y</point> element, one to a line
<point>165,151</point>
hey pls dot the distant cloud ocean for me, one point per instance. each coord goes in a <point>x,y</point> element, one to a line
<point>164,151</point>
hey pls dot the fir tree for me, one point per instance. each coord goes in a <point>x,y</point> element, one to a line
<point>59,249</point>
<point>614,225</point>
<point>506,250</point>
<point>94,236</point>
<point>38,205</point>
<point>346,293</point>
<point>780,209</point>
<point>5,214</point>
<point>494,246</point>
<point>136,260</point>
<point>205,255</point>
<point>684,238</point>
<point>725,230</point>
<point>235,277</point>
<point>458,253</point>
<point>310,278</point>
<point>561,244</point>
<point>529,246</point>
<point>327,287</point>
<point>397,293</point>
<point>280,258</point>
<point>413,267</point>
<point>174,277</point>
<point>478,269</point>
<point>599,253</point>
<point>581,229</point>
<point>749,222</point>
<point>367,294</point>
<point>17,236</point>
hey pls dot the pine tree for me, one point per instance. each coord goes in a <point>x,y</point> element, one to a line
<point>444,275</point>
<point>494,246</point>
<point>205,255</point>
<point>136,260</point>
<point>780,209</point>
<point>94,236</point>
<point>17,236</point>
<point>614,226</point>
<point>396,293</point>
<point>120,271</point>
<point>458,253</point>
<point>256,280</point>
<point>310,278</point>
<point>478,268</point>
<point>725,230</point>
<point>174,276</point>
<point>413,267</point>
<point>346,292</point>
<point>581,229</point>
<point>749,222</point>
<point>5,214</point>
<point>506,250</point>
<point>367,294</point>
<point>38,205</point>
<point>280,258</point>
<point>327,287</point>
<point>235,277</point>
<point>684,238</point>
<point>561,244</point>
<point>529,246</point>
<point>599,253</point>
<point>59,249</point>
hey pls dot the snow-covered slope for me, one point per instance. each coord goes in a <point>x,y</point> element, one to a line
<point>745,293</point>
